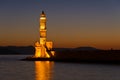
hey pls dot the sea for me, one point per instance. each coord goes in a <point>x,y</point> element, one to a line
<point>12,68</point>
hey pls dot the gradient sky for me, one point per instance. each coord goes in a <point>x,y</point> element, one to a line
<point>70,23</point>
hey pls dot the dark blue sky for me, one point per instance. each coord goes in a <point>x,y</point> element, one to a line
<point>70,23</point>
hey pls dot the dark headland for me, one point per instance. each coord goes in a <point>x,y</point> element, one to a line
<point>83,54</point>
<point>80,54</point>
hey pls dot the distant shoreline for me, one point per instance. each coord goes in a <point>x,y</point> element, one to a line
<point>80,54</point>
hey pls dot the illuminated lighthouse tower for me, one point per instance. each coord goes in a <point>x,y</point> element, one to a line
<point>43,48</point>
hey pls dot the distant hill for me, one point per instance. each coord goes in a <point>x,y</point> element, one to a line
<point>17,50</point>
<point>86,48</point>
<point>31,49</point>
<point>5,50</point>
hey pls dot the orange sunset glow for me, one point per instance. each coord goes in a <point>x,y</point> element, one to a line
<point>85,23</point>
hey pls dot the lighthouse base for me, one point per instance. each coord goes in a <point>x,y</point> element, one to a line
<point>31,58</point>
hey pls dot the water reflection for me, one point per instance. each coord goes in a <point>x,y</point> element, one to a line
<point>43,70</point>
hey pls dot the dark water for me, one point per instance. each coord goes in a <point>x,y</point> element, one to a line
<point>13,69</point>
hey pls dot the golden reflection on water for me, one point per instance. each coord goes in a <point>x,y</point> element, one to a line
<point>43,70</point>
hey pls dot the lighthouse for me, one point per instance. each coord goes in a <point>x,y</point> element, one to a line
<point>43,28</point>
<point>43,48</point>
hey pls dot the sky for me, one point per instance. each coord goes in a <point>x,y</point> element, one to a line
<point>70,23</point>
